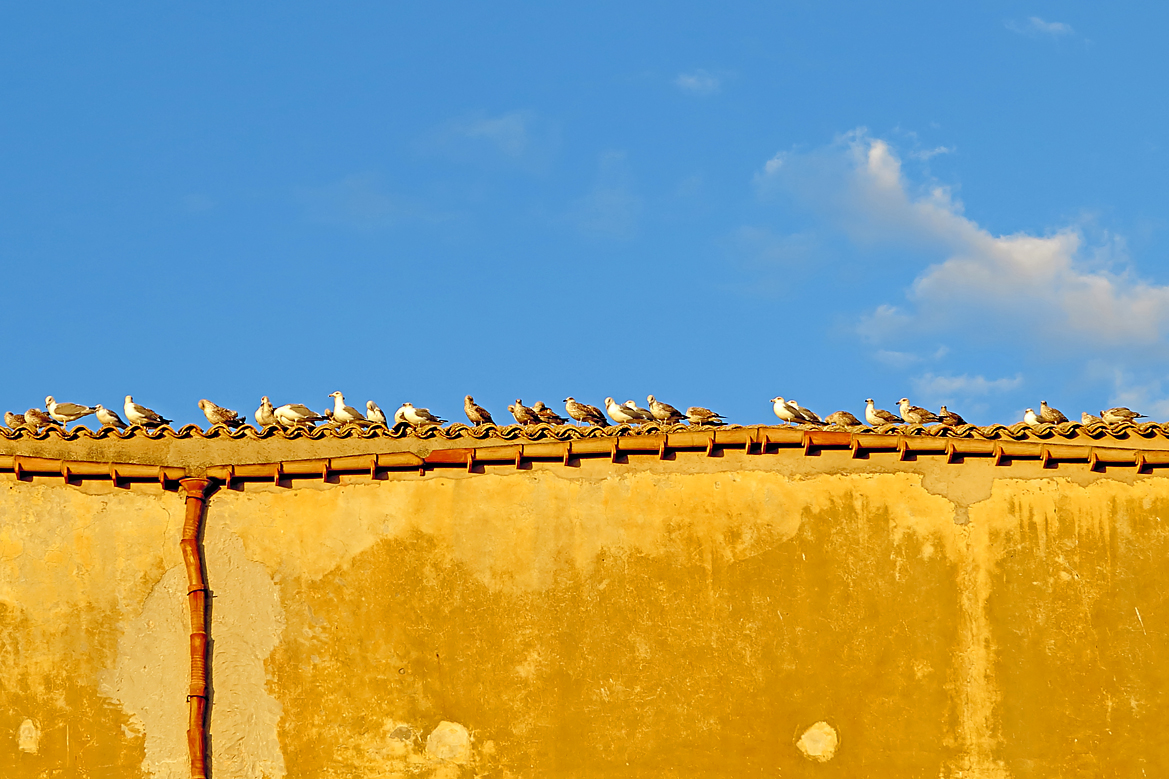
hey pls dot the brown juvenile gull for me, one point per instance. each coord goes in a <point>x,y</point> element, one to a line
<point>523,414</point>
<point>547,415</point>
<point>293,414</point>
<point>343,414</point>
<point>476,413</point>
<point>785,412</point>
<point>664,412</point>
<point>1031,418</point>
<point>949,418</point>
<point>583,412</point>
<point>218,415</point>
<point>620,414</point>
<point>36,419</point>
<point>265,414</point>
<point>375,414</point>
<point>1118,414</point>
<point>13,420</point>
<point>916,415</point>
<point>1049,414</point>
<point>66,412</point>
<point>108,417</point>
<point>842,418</point>
<point>1088,419</point>
<point>879,416</point>
<point>810,416</point>
<point>697,415</point>
<point>645,414</point>
<point>140,415</point>
<point>417,417</point>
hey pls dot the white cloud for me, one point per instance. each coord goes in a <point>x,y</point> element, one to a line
<point>508,132</point>
<point>611,209</point>
<point>1051,284</point>
<point>1036,26</point>
<point>699,82</point>
<point>354,201</point>
<point>949,389</point>
<point>926,154</point>
<point>518,138</point>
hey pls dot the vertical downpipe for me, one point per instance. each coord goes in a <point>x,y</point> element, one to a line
<point>196,496</point>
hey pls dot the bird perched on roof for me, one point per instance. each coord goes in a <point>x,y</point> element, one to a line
<point>916,415</point>
<point>697,415</point>
<point>620,414</point>
<point>645,414</point>
<point>523,414</point>
<point>476,413</point>
<point>374,413</point>
<point>1118,414</point>
<point>417,417</point>
<point>12,420</point>
<point>547,415</point>
<point>218,415</point>
<point>35,419</point>
<point>1088,419</point>
<point>809,416</point>
<point>842,418</point>
<point>785,412</point>
<point>663,412</point>
<point>67,412</point>
<point>295,414</point>
<point>949,418</point>
<point>344,414</point>
<point>583,412</point>
<point>108,417</point>
<point>1049,414</point>
<point>1031,418</point>
<point>879,416</point>
<point>140,415</point>
<point>265,414</point>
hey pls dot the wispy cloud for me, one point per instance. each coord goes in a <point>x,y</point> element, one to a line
<point>520,138</point>
<point>927,154</point>
<point>1034,26</point>
<point>698,82</point>
<point>354,201</point>
<point>936,389</point>
<point>611,209</point>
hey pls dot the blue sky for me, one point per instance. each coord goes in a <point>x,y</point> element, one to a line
<point>965,205</point>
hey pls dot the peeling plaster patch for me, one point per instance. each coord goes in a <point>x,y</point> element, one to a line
<point>819,742</point>
<point>29,737</point>
<point>450,741</point>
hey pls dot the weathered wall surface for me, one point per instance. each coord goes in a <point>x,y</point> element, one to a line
<point>723,616</point>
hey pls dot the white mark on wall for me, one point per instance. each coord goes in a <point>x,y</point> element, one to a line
<point>449,741</point>
<point>28,738</point>
<point>819,742</point>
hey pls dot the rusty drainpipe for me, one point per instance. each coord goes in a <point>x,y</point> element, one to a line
<point>196,490</point>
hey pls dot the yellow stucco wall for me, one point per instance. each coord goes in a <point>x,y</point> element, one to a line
<point>698,616</point>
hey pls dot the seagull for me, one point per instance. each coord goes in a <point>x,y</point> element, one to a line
<point>583,412</point>
<point>784,411</point>
<point>523,414</point>
<point>809,416</point>
<point>949,418</point>
<point>664,412</point>
<point>476,413</point>
<point>697,415</point>
<point>140,415</point>
<point>66,412</point>
<point>375,414</point>
<point>842,418</point>
<point>294,414</point>
<point>265,414</point>
<point>620,414</point>
<point>879,416</point>
<point>1088,419</point>
<point>548,415</point>
<point>36,419</point>
<point>1031,418</point>
<point>13,421</point>
<point>916,415</point>
<point>1114,416</point>
<point>218,415</point>
<point>344,414</point>
<point>645,414</point>
<point>1049,414</point>
<point>400,416</point>
<point>109,417</point>
<point>417,417</point>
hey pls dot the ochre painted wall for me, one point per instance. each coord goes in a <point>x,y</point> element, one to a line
<point>728,616</point>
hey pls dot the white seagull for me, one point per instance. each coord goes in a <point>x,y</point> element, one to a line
<point>1118,414</point>
<point>645,414</point>
<point>140,415</point>
<point>108,417</point>
<point>265,414</point>
<point>343,414</point>
<point>1031,418</point>
<point>879,416</point>
<point>620,414</point>
<point>293,414</point>
<point>810,416</point>
<point>375,414</point>
<point>916,415</point>
<point>66,412</point>
<point>417,417</point>
<point>785,412</point>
